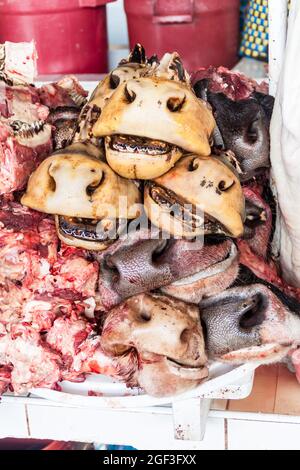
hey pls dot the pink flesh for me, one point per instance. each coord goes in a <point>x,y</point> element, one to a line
<point>234,85</point>
<point>259,243</point>
<point>17,161</point>
<point>267,271</point>
<point>56,94</point>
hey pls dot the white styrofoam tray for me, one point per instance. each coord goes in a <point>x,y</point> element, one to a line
<point>98,391</point>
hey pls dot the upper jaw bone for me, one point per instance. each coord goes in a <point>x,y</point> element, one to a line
<point>76,184</point>
<point>197,187</point>
<point>164,109</point>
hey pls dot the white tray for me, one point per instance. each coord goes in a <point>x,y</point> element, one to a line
<point>225,382</point>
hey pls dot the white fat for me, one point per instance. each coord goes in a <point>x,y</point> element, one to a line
<point>36,305</point>
<point>44,267</point>
<point>20,61</point>
<point>90,305</point>
<point>211,271</point>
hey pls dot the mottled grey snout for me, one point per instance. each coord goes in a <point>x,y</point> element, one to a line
<point>232,320</point>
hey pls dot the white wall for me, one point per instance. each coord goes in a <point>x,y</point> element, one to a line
<point>117,32</point>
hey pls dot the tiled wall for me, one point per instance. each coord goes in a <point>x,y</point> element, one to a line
<point>117,32</point>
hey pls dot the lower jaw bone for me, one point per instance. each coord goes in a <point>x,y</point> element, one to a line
<point>178,217</point>
<point>141,164</point>
<point>85,233</point>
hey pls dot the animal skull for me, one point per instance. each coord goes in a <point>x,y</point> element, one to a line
<point>83,192</point>
<point>200,195</point>
<point>149,123</point>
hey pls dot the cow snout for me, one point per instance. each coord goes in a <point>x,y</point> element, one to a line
<point>233,323</point>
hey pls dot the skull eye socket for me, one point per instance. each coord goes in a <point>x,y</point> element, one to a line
<point>129,95</point>
<point>114,81</point>
<point>175,104</point>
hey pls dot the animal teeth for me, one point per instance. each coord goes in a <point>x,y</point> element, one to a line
<point>26,130</point>
<point>77,98</point>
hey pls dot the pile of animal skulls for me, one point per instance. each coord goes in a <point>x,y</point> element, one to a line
<point>165,185</point>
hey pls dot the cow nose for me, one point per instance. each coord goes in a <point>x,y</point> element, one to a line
<point>252,312</point>
<point>232,323</point>
<point>135,269</point>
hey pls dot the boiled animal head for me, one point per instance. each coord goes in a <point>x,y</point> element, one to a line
<point>134,67</point>
<point>200,195</point>
<point>91,203</point>
<point>149,123</point>
<point>252,323</point>
<point>167,336</point>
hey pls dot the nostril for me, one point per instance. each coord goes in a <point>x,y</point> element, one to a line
<point>252,133</point>
<point>129,95</point>
<point>204,330</point>
<point>253,312</point>
<point>159,250</point>
<point>185,336</point>
<point>52,184</point>
<point>225,185</point>
<point>145,316</point>
<point>193,165</point>
<point>110,266</point>
<point>175,104</point>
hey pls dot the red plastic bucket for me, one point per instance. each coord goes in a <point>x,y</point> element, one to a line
<point>204,32</point>
<point>70,35</point>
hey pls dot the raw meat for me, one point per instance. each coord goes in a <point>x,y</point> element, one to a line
<point>34,364</point>
<point>18,62</point>
<point>25,137</point>
<point>29,253</point>
<point>19,156</point>
<point>5,378</point>
<point>234,85</point>
<point>43,288</point>
<point>67,92</point>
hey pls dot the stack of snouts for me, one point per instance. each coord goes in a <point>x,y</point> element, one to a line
<point>151,188</point>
